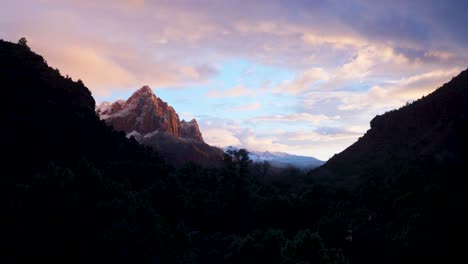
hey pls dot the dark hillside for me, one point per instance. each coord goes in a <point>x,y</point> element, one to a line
<point>410,172</point>
<point>432,129</point>
<point>46,116</point>
<point>60,163</point>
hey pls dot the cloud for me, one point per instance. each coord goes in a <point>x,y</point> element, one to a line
<point>350,59</point>
<point>439,55</point>
<point>97,70</point>
<point>257,142</point>
<point>189,35</point>
<point>357,108</point>
<point>322,142</point>
<point>313,137</point>
<point>408,23</point>
<point>246,107</point>
<point>303,81</point>
<point>367,58</point>
<point>220,137</point>
<point>315,119</point>
<point>223,132</point>
<point>396,94</point>
<point>316,144</point>
<point>418,85</point>
<point>205,71</point>
<point>338,41</point>
<point>236,91</point>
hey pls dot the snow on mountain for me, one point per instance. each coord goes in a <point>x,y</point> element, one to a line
<point>281,159</point>
<point>145,113</point>
<point>154,123</point>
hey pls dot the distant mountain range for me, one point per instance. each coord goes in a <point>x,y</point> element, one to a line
<point>281,159</point>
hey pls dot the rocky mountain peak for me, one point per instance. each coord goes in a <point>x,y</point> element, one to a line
<point>190,130</point>
<point>152,122</point>
<point>144,97</point>
<point>145,89</point>
<point>145,113</point>
<point>144,92</point>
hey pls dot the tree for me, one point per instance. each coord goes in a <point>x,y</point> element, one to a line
<point>305,247</point>
<point>244,161</point>
<point>238,160</point>
<point>23,42</point>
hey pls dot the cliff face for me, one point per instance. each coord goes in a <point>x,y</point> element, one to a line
<point>143,112</point>
<point>190,130</point>
<point>154,123</point>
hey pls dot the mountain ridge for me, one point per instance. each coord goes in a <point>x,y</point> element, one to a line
<point>430,129</point>
<point>282,159</point>
<point>145,113</point>
<point>153,122</point>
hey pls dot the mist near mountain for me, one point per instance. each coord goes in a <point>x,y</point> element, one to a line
<point>281,159</point>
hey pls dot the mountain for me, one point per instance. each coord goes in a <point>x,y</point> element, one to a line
<point>51,116</point>
<point>281,159</point>
<point>145,113</point>
<point>190,130</point>
<point>62,166</point>
<point>152,122</point>
<point>432,130</point>
<point>409,172</point>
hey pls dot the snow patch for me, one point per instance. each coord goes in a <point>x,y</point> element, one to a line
<point>151,134</point>
<point>135,134</point>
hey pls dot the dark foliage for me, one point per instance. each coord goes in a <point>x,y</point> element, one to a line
<point>74,190</point>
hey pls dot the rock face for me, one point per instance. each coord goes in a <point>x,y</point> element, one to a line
<point>190,130</point>
<point>144,113</point>
<point>153,122</point>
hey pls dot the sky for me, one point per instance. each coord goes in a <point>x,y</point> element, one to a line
<point>303,77</point>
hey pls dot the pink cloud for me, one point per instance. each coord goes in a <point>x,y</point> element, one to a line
<point>303,81</point>
<point>246,107</point>
<point>315,119</point>
<point>236,91</point>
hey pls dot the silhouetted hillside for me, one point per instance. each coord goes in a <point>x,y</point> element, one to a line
<point>432,129</point>
<point>59,163</point>
<point>409,173</point>
<point>48,117</point>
